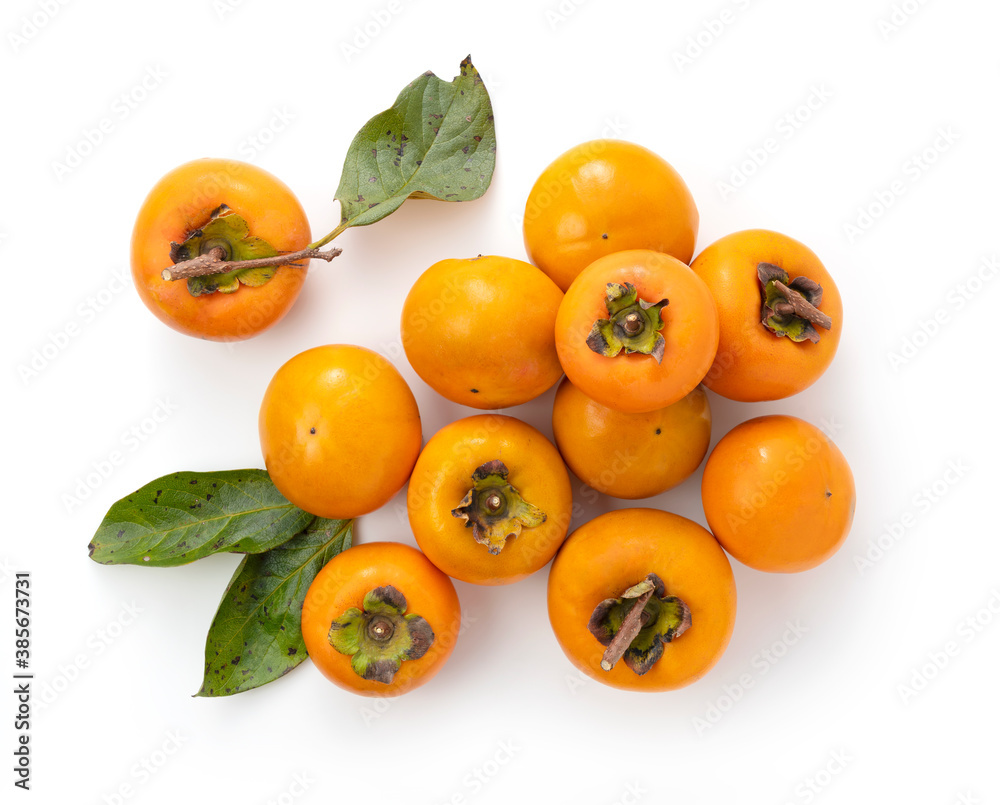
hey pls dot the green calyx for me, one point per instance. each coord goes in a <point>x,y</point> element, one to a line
<point>633,324</point>
<point>495,510</point>
<point>380,637</point>
<point>229,232</point>
<point>790,308</point>
<point>637,625</point>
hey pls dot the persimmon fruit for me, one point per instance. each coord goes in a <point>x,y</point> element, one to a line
<point>380,620</point>
<point>489,499</point>
<point>637,331</point>
<point>778,494</point>
<point>339,430</point>
<point>606,196</point>
<point>256,215</point>
<point>631,456</point>
<point>780,315</point>
<point>669,573</point>
<point>480,331</point>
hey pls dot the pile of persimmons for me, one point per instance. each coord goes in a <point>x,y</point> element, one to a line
<point>612,308</point>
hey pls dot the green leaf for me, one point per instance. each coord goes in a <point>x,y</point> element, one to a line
<point>187,515</point>
<point>437,141</point>
<point>256,635</point>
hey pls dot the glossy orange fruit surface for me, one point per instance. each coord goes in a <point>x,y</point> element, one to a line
<point>444,476</point>
<point>339,430</point>
<point>181,203</point>
<point>480,331</point>
<point>631,456</point>
<point>686,337</point>
<point>606,196</point>
<point>778,494</point>
<point>336,601</point>
<point>753,363</point>
<point>615,551</point>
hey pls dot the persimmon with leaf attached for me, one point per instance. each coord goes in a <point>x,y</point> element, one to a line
<point>220,248</point>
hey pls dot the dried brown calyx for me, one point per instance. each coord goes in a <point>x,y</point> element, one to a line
<point>637,625</point>
<point>495,510</point>
<point>790,308</point>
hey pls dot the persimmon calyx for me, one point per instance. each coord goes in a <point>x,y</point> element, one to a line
<point>495,510</point>
<point>222,255</point>
<point>791,308</point>
<point>633,324</point>
<point>637,625</point>
<point>380,637</point>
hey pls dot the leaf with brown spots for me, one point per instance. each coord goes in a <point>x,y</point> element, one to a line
<point>187,515</point>
<point>437,141</point>
<point>256,635</point>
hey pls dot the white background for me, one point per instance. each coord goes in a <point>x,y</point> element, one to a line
<point>904,111</point>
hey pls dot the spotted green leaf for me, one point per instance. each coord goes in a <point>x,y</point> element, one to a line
<point>436,141</point>
<point>256,635</point>
<point>187,515</point>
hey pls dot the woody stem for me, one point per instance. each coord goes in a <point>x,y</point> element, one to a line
<point>796,303</point>
<point>632,323</point>
<point>212,262</point>
<point>381,629</point>
<point>631,626</point>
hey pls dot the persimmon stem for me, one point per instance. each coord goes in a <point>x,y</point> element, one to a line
<point>381,629</point>
<point>212,262</point>
<point>319,244</point>
<point>631,626</point>
<point>796,303</point>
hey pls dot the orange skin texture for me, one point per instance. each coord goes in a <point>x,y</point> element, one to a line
<point>752,363</point>
<point>367,430</point>
<point>343,583</point>
<point>485,323</point>
<point>631,456</point>
<point>606,196</point>
<point>183,201</point>
<point>614,551</point>
<point>637,383</point>
<point>778,494</point>
<point>443,476</point>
